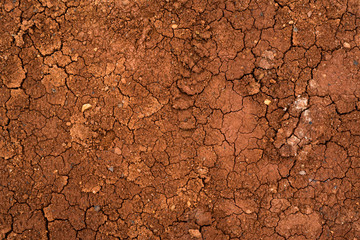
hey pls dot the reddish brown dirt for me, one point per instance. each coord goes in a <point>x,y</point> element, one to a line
<point>188,119</point>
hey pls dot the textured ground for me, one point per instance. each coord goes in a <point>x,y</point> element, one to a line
<point>152,119</point>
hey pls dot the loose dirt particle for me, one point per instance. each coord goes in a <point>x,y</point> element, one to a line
<point>347,45</point>
<point>195,233</point>
<point>117,151</point>
<point>272,81</point>
<point>267,101</point>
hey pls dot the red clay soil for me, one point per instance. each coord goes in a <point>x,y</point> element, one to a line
<point>180,119</point>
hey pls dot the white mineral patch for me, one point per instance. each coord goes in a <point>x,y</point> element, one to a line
<point>293,140</point>
<point>307,115</point>
<point>301,103</point>
<point>313,84</point>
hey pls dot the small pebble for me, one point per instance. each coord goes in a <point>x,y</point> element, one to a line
<point>97,208</point>
<point>117,151</point>
<point>111,169</point>
<point>302,173</point>
<point>85,107</point>
<point>295,29</point>
<point>267,101</point>
<point>174,26</point>
<point>347,45</point>
<point>356,63</point>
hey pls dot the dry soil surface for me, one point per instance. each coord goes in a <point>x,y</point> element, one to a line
<point>188,119</point>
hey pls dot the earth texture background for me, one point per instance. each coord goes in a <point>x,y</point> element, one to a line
<point>189,119</point>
